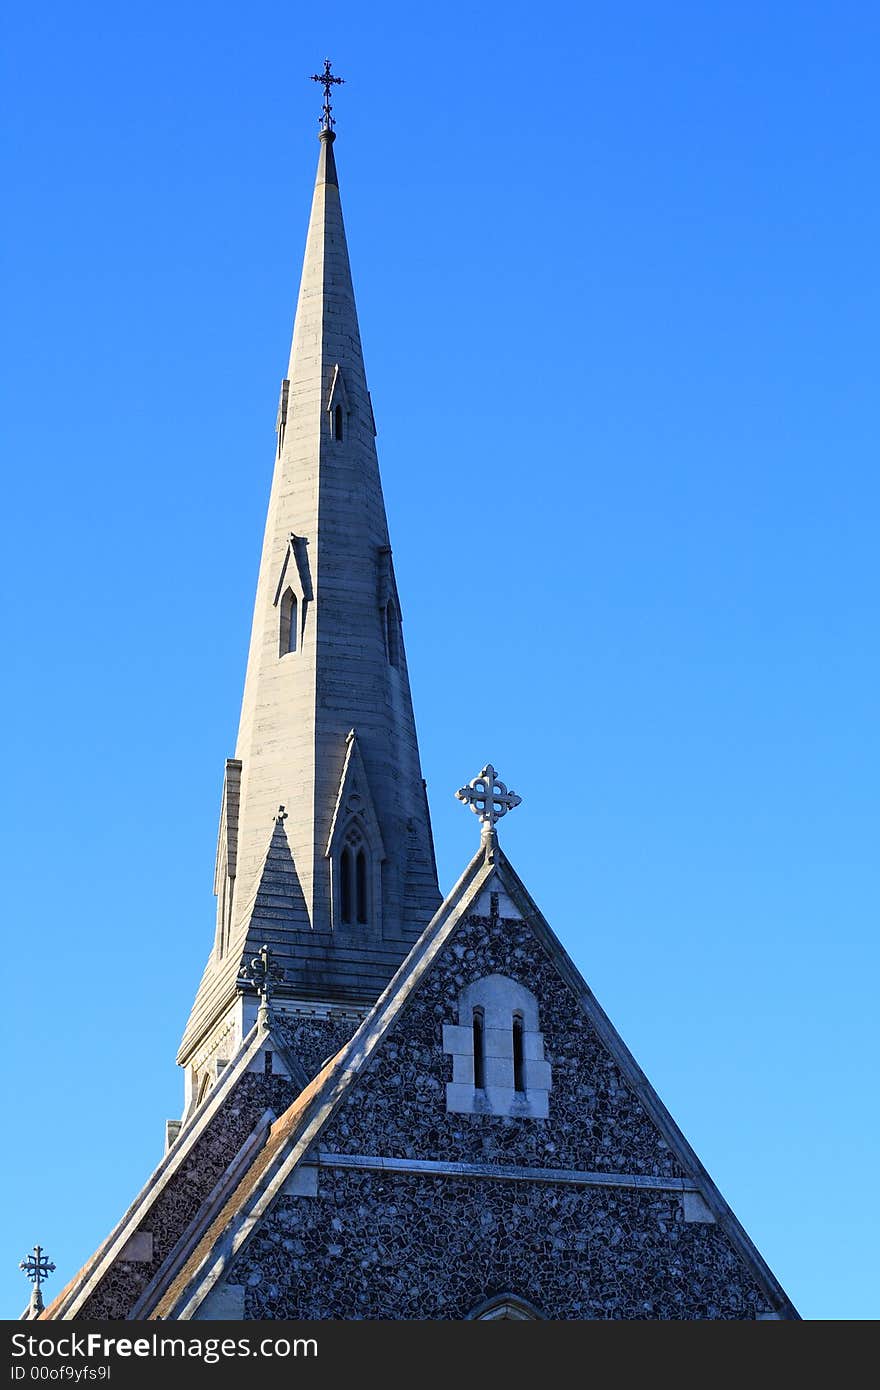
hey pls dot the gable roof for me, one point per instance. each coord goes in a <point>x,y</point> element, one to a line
<point>295,1133</point>
<point>69,1302</point>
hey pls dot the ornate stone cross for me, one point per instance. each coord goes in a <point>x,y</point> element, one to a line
<point>327,122</point>
<point>37,1267</point>
<point>489,799</point>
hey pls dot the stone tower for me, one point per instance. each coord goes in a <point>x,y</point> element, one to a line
<point>396,1107</point>
<point>340,880</point>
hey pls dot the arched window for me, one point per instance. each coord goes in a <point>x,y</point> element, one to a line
<point>337,423</point>
<point>346,884</point>
<point>289,623</point>
<point>519,1083</point>
<point>392,633</point>
<point>479,1050</point>
<point>363,898</point>
<point>356,886</point>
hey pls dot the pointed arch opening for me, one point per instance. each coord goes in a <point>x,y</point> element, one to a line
<point>362,888</point>
<point>355,850</point>
<point>479,1027</point>
<point>338,425</point>
<point>355,883</point>
<point>519,1083</point>
<point>346,885</point>
<point>289,634</point>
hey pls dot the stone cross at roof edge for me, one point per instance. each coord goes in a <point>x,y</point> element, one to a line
<point>489,799</point>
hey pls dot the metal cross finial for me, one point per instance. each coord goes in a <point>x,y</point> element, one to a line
<point>489,799</point>
<point>326,77</point>
<point>261,973</point>
<point>280,816</point>
<point>37,1267</point>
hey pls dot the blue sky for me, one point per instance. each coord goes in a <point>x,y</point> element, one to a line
<point>617,280</point>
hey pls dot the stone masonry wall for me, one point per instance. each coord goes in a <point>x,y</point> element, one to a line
<point>390,1246</point>
<point>312,1040</point>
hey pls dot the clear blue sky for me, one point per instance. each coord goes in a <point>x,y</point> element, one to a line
<point>617,279</point>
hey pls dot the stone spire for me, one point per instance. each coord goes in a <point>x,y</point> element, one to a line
<point>327,727</point>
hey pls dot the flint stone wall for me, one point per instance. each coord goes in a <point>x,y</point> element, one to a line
<point>381,1246</point>
<point>398,1106</point>
<point>313,1040</point>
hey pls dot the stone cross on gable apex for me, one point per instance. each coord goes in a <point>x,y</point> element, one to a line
<point>489,799</point>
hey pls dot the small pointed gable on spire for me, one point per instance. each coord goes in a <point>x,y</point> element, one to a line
<point>338,394</point>
<point>278,905</point>
<point>295,572</point>
<point>353,801</point>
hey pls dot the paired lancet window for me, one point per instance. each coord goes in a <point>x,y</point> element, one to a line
<point>497,1048</point>
<point>517,1047</point>
<point>355,851</point>
<point>354,881</point>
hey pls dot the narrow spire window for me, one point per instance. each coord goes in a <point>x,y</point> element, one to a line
<point>346,884</point>
<point>519,1082</point>
<point>479,1051</point>
<point>392,633</point>
<point>289,623</point>
<point>361,878</point>
<point>337,423</point>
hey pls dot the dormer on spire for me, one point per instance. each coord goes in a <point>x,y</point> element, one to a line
<point>338,407</point>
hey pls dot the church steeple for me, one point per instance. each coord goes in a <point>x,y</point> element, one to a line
<point>340,885</point>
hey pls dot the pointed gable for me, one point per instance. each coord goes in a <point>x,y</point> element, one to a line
<point>353,800</point>
<point>598,1208</point>
<point>338,396</point>
<point>275,915</point>
<point>278,905</point>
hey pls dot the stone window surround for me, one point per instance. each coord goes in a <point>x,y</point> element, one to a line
<point>501,1000</point>
<point>505,1306</point>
